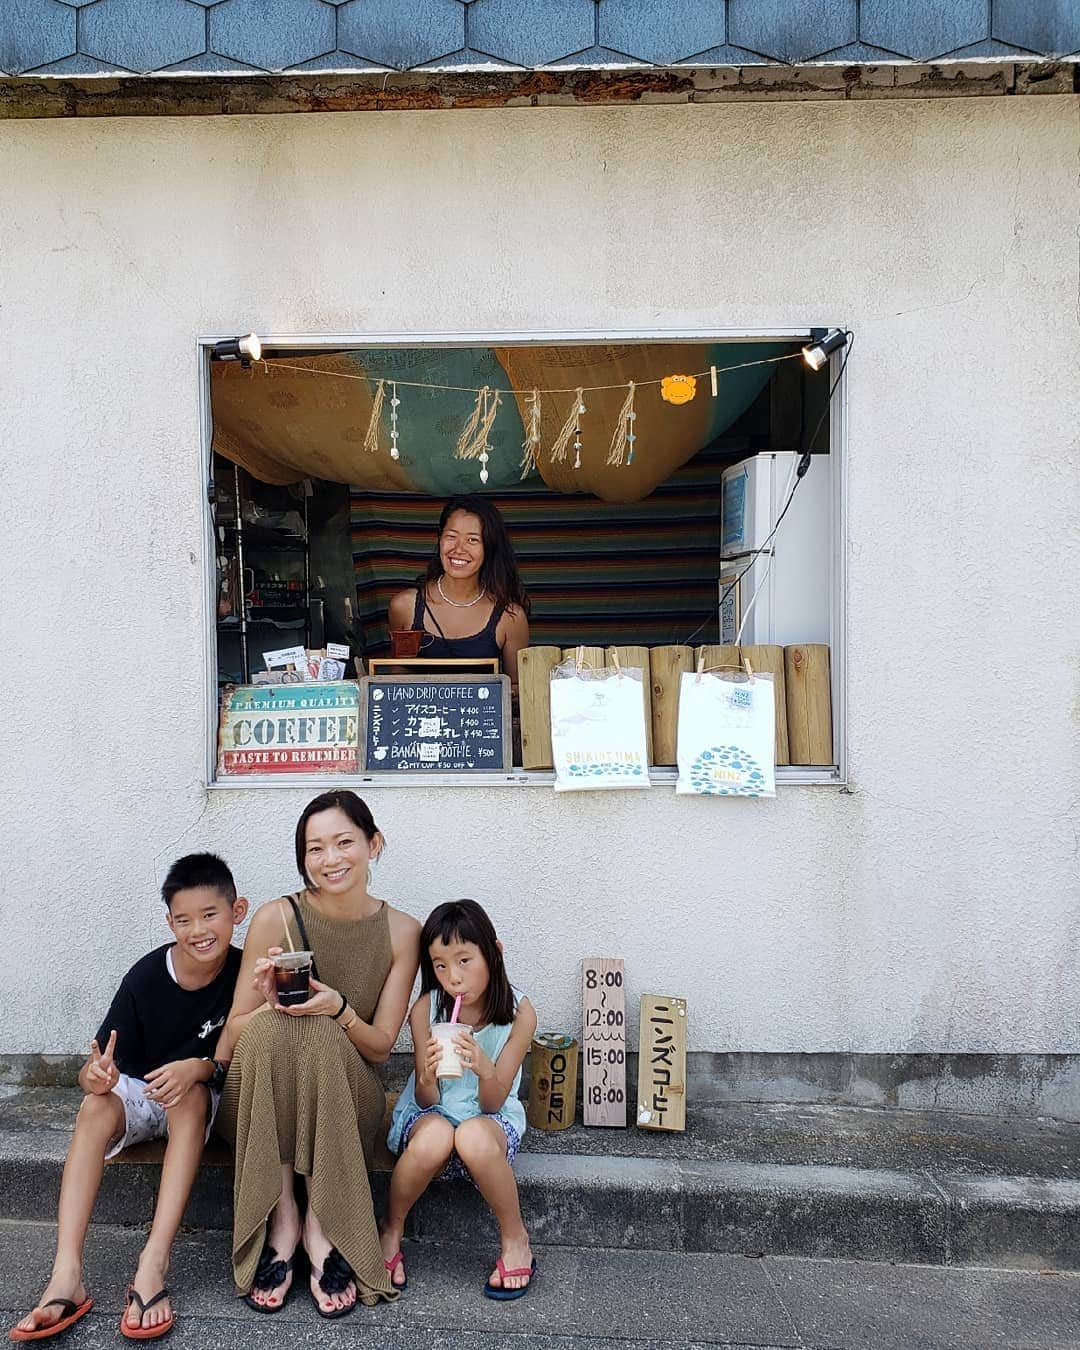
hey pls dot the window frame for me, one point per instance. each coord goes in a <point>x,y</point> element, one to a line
<point>834,775</point>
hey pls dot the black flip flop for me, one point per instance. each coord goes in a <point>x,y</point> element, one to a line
<point>334,1278</point>
<point>269,1273</point>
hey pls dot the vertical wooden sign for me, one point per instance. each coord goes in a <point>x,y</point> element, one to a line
<point>662,1063</point>
<point>603,1040</point>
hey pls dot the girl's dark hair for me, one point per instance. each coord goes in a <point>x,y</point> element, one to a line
<point>465,921</point>
<point>498,572</point>
<point>354,807</point>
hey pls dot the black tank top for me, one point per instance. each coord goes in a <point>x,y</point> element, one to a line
<point>439,646</point>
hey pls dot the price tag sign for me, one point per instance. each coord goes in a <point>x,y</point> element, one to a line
<point>662,1063</point>
<point>603,1040</point>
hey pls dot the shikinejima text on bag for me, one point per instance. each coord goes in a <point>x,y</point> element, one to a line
<point>727,734</point>
<point>598,737</point>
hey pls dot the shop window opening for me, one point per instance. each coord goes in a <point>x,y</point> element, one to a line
<point>637,481</point>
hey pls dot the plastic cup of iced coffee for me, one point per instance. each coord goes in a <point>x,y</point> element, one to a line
<point>292,977</point>
<point>450,1065</point>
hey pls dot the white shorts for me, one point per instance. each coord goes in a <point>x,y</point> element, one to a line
<point>146,1119</point>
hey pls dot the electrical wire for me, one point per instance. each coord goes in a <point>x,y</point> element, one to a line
<point>800,472</point>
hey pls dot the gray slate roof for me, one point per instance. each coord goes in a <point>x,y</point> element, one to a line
<point>139,37</point>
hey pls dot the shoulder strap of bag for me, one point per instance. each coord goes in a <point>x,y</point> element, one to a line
<point>303,933</point>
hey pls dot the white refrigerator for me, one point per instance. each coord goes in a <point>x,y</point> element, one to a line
<point>792,602</point>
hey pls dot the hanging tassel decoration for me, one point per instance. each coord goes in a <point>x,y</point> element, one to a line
<point>371,439</point>
<point>570,430</point>
<point>474,441</point>
<point>468,442</point>
<point>530,446</point>
<point>624,436</point>
<point>394,404</point>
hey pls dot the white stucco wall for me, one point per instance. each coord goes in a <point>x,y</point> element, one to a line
<point>936,905</point>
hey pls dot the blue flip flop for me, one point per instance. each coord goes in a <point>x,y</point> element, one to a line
<point>503,1294</point>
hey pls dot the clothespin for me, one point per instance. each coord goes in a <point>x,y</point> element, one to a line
<point>712,377</point>
<point>579,658</point>
<point>700,665</point>
<point>615,658</point>
<point>749,669</point>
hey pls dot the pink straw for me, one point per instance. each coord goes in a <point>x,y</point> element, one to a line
<point>457,1009</point>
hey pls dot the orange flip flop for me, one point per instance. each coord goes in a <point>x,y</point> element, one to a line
<point>71,1314</point>
<point>141,1333</point>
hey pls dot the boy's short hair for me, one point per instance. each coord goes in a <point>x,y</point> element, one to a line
<point>199,869</point>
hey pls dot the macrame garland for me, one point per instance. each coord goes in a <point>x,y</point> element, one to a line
<point>530,446</point>
<point>623,437</point>
<point>571,431</point>
<point>371,440</point>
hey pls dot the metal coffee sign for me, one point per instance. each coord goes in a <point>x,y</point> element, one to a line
<point>289,728</point>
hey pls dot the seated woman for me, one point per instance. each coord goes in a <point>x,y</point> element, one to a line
<point>470,601</point>
<point>302,1097</point>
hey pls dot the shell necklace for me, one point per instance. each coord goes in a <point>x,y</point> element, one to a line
<point>460,604</point>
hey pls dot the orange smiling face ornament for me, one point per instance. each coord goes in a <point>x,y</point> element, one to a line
<point>678,388</point>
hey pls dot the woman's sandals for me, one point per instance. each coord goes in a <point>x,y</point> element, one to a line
<point>334,1278</point>
<point>271,1271</point>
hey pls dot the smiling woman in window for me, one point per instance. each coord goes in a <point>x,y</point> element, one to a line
<point>470,602</point>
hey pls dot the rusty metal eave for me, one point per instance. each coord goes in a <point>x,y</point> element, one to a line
<point>220,95</point>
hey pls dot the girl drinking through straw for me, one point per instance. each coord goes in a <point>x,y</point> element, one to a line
<point>460,1114</point>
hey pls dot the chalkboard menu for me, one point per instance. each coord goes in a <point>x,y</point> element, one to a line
<point>436,725</point>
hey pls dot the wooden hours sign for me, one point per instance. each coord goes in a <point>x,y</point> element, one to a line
<point>603,1040</point>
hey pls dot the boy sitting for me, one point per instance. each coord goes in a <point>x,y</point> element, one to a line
<point>150,1075</point>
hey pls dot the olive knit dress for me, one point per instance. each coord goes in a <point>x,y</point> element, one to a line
<point>299,1092</point>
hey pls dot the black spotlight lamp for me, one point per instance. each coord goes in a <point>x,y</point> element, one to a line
<point>823,342</point>
<point>243,349</point>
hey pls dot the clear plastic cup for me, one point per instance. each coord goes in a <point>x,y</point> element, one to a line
<point>292,977</point>
<point>450,1065</point>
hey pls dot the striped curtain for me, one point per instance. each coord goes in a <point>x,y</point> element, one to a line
<point>598,573</point>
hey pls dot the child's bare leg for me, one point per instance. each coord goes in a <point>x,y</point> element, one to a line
<point>187,1127</point>
<point>99,1122</point>
<point>481,1145</point>
<point>426,1154</point>
<point>283,1235</point>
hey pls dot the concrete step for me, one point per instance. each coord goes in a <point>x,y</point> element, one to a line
<point>597,1297</point>
<point>839,1182</point>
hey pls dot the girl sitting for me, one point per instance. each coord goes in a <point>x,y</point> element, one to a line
<point>470,1125</point>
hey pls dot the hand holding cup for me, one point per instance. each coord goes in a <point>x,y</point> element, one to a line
<point>470,1054</point>
<point>263,979</point>
<point>322,1001</point>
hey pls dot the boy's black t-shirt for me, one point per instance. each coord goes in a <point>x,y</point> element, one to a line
<point>157,1022</point>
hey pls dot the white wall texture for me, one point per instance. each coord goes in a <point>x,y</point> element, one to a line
<point>933,907</point>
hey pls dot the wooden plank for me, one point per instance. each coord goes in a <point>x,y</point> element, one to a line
<point>535,665</point>
<point>667,665</point>
<point>553,1065</point>
<point>591,657</point>
<point>769,660</point>
<point>637,658</point>
<point>809,703</point>
<point>718,658</point>
<point>603,1039</point>
<point>662,1063</point>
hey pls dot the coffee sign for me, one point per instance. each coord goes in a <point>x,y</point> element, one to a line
<point>289,728</point>
<point>439,724</point>
<point>662,1063</point>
